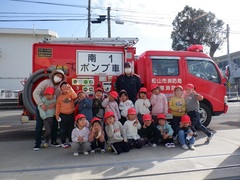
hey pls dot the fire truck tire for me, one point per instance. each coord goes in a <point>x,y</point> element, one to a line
<point>28,89</point>
<point>205,114</point>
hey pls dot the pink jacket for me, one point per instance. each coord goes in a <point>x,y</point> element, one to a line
<point>159,104</point>
<point>111,106</point>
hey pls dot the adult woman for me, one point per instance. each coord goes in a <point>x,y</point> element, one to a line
<point>55,78</point>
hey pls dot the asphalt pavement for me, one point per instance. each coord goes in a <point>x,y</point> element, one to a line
<point>219,159</point>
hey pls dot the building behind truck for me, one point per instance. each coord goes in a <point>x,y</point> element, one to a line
<point>16,54</point>
<point>16,60</point>
<point>90,63</point>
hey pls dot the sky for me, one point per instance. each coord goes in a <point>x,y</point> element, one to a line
<point>150,21</point>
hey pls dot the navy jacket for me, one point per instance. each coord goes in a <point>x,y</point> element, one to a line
<point>85,107</point>
<point>131,84</point>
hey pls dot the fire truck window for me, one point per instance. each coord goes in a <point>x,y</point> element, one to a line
<point>203,69</point>
<point>165,67</point>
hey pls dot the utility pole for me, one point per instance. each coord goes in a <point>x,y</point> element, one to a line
<point>89,18</point>
<point>228,29</point>
<point>229,58</point>
<point>108,21</point>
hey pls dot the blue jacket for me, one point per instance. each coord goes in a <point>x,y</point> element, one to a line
<point>85,107</point>
<point>166,128</point>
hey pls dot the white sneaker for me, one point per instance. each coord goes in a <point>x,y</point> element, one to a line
<point>55,144</point>
<point>64,145</point>
<point>102,150</point>
<point>36,148</point>
<point>92,151</point>
<point>173,145</point>
<point>168,145</point>
<point>153,145</point>
<point>75,154</point>
<point>85,153</point>
<point>210,137</point>
<point>185,147</point>
<point>191,147</point>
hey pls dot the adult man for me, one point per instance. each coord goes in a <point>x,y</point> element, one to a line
<point>129,82</point>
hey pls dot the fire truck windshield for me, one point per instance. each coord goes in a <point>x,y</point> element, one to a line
<point>203,69</point>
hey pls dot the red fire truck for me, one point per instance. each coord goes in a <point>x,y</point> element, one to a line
<point>96,62</point>
<point>88,62</point>
<point>171,68</point>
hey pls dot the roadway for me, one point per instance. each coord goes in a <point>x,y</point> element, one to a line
<point>218,159</point>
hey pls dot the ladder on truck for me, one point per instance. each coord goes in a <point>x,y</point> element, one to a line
<point>94,41</point>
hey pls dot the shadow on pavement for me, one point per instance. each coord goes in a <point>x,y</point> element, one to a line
<point>229,169</point>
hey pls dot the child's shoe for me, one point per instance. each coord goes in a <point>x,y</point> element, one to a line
<point>55,144</point>
<point>45,145</point>
<point>148,144</point>
<point>109,148</point>
<point>210,137</point>
<point>172,145</point>
<point>153,145</point>
<point>70,144</point>
<point>191,146</point>
<point>92,151</point>
<point>102,150</point>
<point>185,147</point>
<point>75,154</point>
<point>36,148</point>
<point>168,145</point>
<point>64,145</point>
<point>85,153</point>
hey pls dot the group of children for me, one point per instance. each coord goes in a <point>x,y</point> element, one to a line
<point>119,123</point>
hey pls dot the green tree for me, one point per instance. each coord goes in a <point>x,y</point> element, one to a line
<point>192,26</point>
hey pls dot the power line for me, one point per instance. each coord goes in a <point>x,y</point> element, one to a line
<point>41,16</point>
<point>48,3</point>
<point>146,18</point>
<point>80,6</point>
<point>26,20</point>
<point>139,12</point>
<point>101,8</point>
<point>78,28</point>
<point>148,23</point>
<point>21,13</point>
<point>58,4</point>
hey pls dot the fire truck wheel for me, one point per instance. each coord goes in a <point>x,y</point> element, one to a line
<point>205,114</point>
